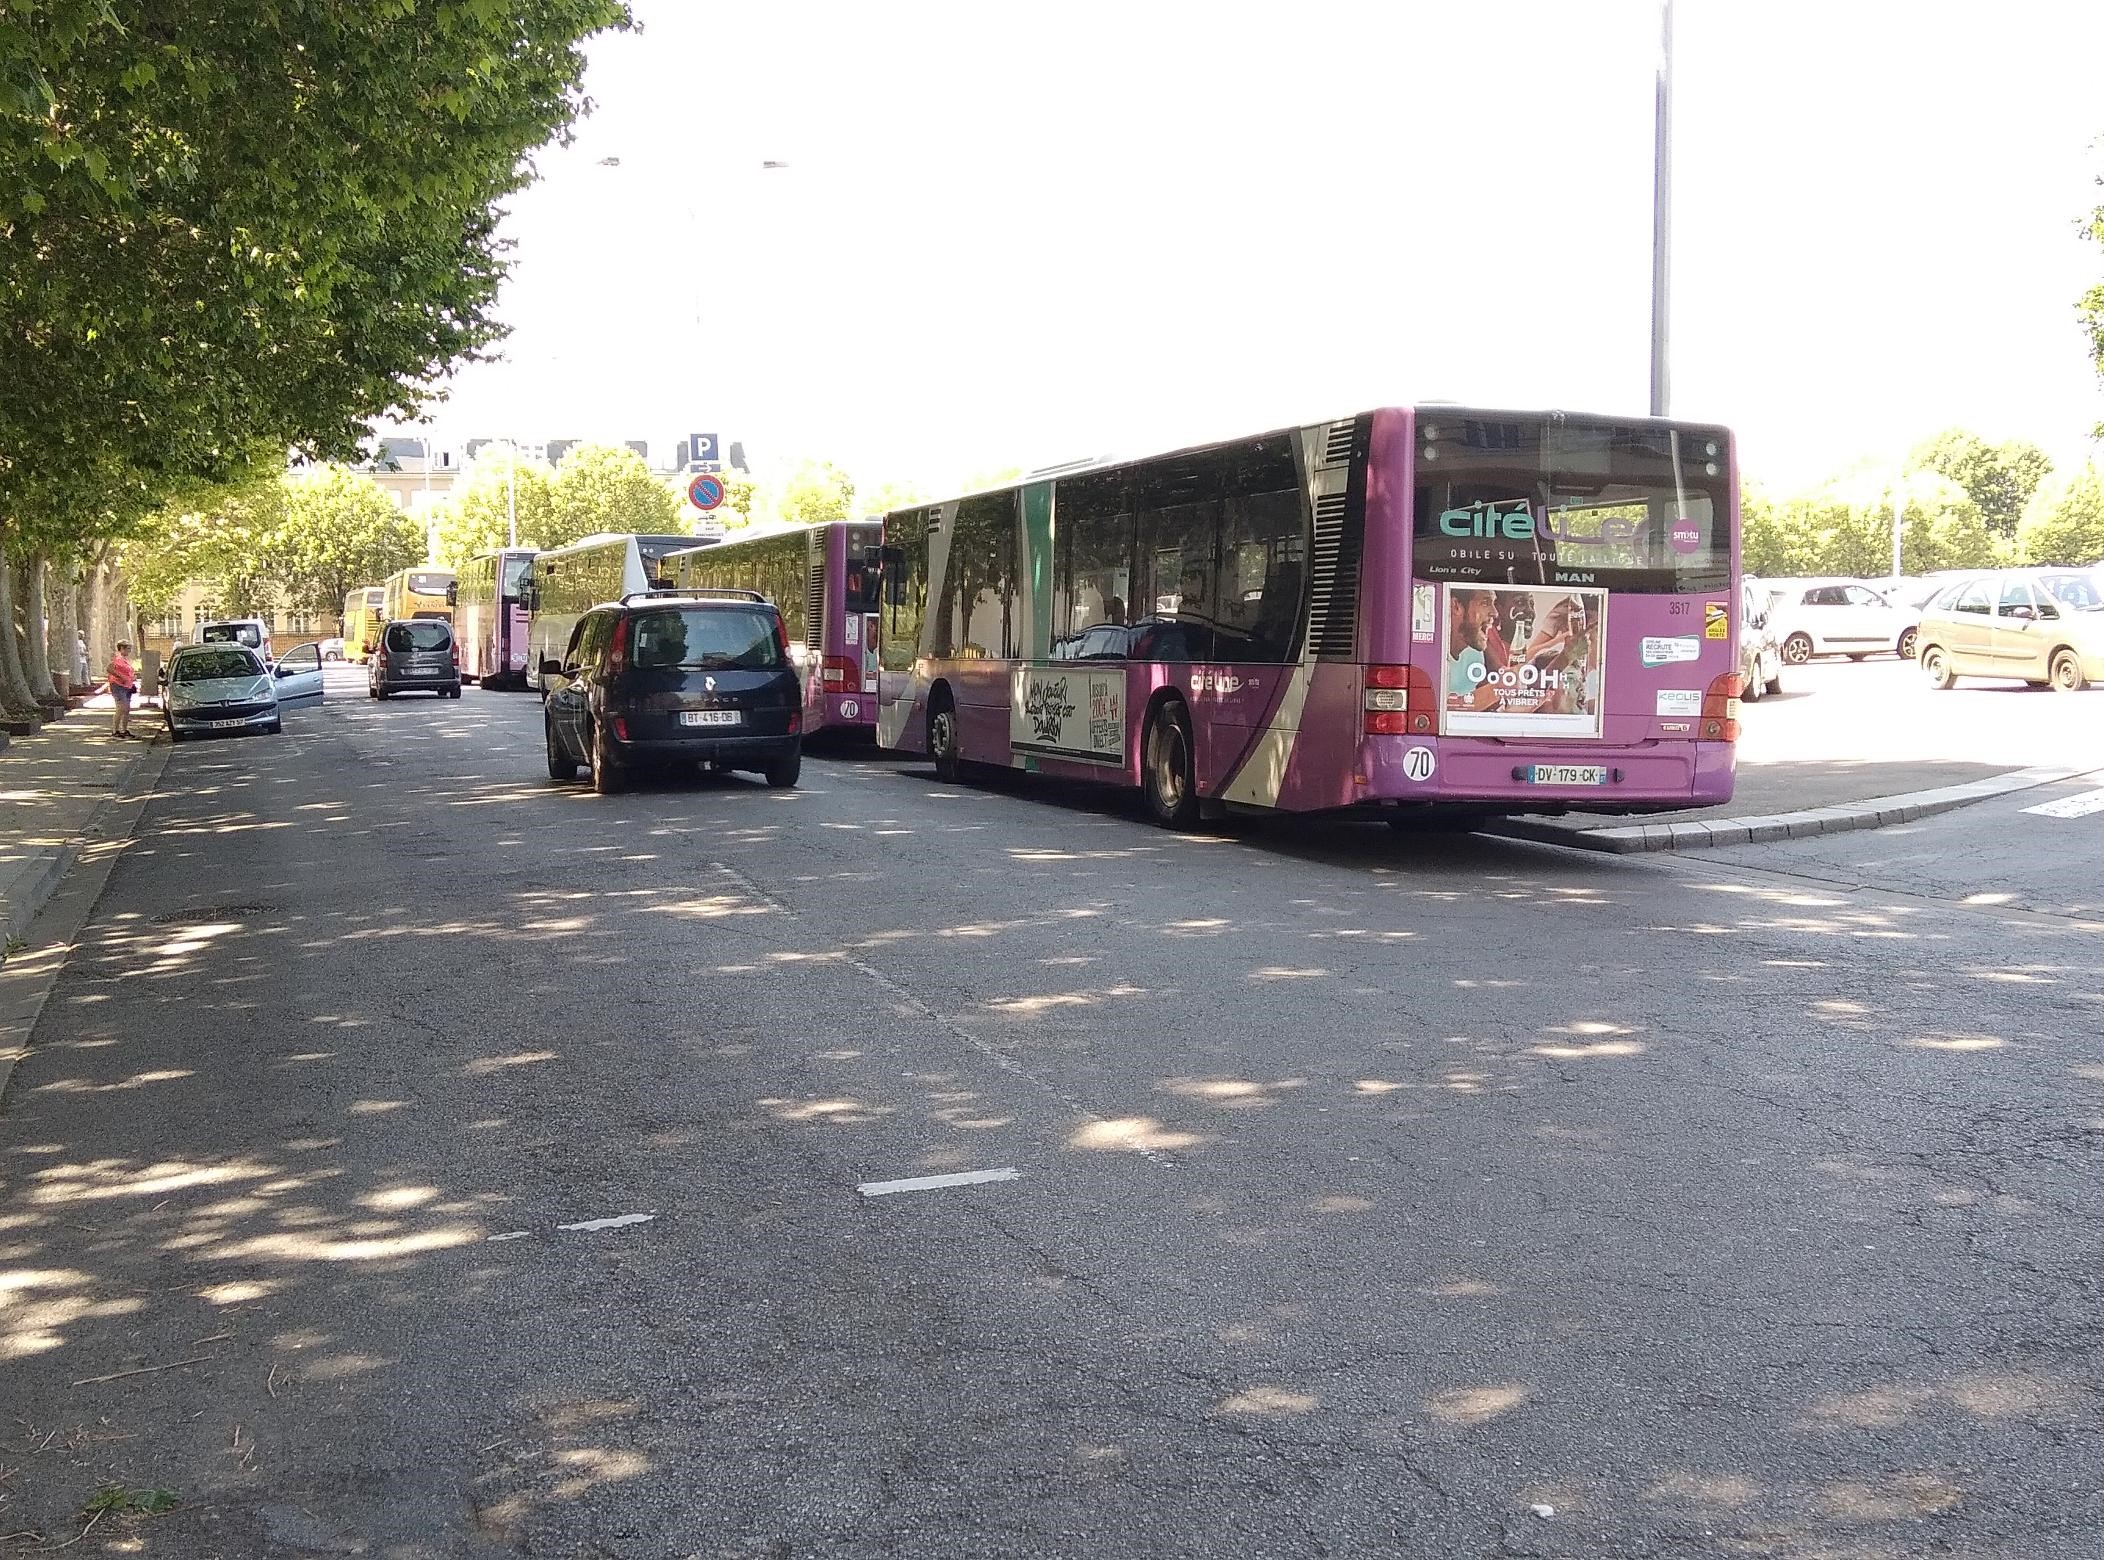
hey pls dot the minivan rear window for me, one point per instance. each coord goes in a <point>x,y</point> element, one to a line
<point>423,634</point>
<point>711,637</point>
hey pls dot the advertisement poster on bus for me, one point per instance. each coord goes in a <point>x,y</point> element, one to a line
<point>1523,660</point>
<point>1064,712</point>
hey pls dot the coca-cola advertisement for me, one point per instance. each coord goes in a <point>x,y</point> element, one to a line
<point>1523,660</point>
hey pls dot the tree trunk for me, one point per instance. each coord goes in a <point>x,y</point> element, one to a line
<point>36,625</point>
<point>102,630</point>
<point>65,628</point>
<point>16,704</point>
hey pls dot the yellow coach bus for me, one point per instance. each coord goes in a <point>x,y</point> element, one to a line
<point>364,609</point>
<point>419,593</point>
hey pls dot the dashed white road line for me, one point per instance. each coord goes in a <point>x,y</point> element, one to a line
<point>2080,805</point>
<point>928,1183</point>
<point>614,1223</point>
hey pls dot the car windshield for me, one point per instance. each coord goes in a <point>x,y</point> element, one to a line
<point>740,638</point>
<point>426,634</point>
<point>208,665</point>
<point>2077,592</point>
<point>231,634</point>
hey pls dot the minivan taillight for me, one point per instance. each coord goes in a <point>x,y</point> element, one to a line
<point>617,652</point>
<point>781,642</point>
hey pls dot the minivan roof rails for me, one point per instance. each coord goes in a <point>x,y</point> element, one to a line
<point>693,592</point>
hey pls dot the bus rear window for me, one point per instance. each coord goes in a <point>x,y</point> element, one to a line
<point>865,568</point>
<point>1632,508</point>
<point>431,584</point>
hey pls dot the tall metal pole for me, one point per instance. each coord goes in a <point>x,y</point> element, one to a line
<point>511,496</point>
<point>1662,215</point>
<point>1899,516</point>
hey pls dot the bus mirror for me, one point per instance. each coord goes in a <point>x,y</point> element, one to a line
<point>453,594</point>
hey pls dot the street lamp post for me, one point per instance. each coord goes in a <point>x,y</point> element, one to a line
<point>1662,213</point>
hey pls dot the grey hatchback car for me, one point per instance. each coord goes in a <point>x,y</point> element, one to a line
<point>415,655</point>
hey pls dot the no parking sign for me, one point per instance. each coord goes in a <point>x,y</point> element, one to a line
<point>705,492</point>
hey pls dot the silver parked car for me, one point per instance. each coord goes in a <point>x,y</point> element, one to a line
<point>226,689</point>
<point>2045,626</point>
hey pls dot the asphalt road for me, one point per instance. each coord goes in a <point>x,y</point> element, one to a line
<point>1373,1195</point>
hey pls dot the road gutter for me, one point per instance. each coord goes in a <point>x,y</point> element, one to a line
<point>1876,813</point>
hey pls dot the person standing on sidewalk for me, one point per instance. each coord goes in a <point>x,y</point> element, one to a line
<point>124,682</point>
<point>80,659</point>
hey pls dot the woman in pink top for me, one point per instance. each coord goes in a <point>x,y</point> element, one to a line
<point>124,682</point>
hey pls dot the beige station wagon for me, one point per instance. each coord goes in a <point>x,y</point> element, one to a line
<point>2043,626</point>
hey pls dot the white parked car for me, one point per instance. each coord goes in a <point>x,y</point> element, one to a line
<point>1837,617</point>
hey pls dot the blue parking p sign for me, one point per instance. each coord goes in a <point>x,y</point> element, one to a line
<point>701,446</point>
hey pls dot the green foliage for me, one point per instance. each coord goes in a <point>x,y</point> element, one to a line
<point>115,1497</point>
<point>476,516</point>
<point>2089,308</point>
<point>1999,478</point>
<point>815,492</point>
<point>339,530</point>
<point>609,487</point>
<point>2065,524</point>
<point>304,198</point>
<point>298,540</point>
<point>892,494</point>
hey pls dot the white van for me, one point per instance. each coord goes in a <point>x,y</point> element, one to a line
<point>252,632</point>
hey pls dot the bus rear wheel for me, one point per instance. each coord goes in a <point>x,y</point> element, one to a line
<point>943,744</point>
<point>1167,773</point>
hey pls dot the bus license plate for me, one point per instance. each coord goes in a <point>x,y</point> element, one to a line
<point>1567,774</point>
<point>709,717</point>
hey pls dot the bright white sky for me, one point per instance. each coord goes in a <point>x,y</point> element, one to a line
<point>1020,234</point>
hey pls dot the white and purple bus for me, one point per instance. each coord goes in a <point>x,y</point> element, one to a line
<point>490,617</point>
<point>823,580</point>
<point>1415,612</point>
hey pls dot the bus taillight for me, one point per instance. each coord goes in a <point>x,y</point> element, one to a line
<point>1398,701</point>
<point>839,671</point>
<point>1720,709</point>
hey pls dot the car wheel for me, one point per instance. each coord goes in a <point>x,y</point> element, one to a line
<point>176,736</point>
<point>944,745</point>
<point>2066,672</point>
<point>783,772</point>
<point>560,765</point>
<point>1797,649</point>
<point>1938,666</point>
<point>1750,687</point>
<point>453,692</point>
<point>1167,772</point>
<point>1773,685</point>
<point>275,729</point>
<point>380,694</point>
<point>608,779</point>
<point>1909,642</point>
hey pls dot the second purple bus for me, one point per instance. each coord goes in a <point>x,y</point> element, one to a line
<point>490,617</point>
<point>823,580</point>
<point>1417,612</point>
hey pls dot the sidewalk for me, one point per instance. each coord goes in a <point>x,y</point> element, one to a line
<point>1862,747</point>
<point>54,790</point>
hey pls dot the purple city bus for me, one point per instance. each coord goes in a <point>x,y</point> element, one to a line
<point>490,617</point>
<point>1415,613</point>
<point>823,580</point>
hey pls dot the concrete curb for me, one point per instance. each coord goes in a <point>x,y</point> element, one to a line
<point>1877,813</point>
<point>23,907</point>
